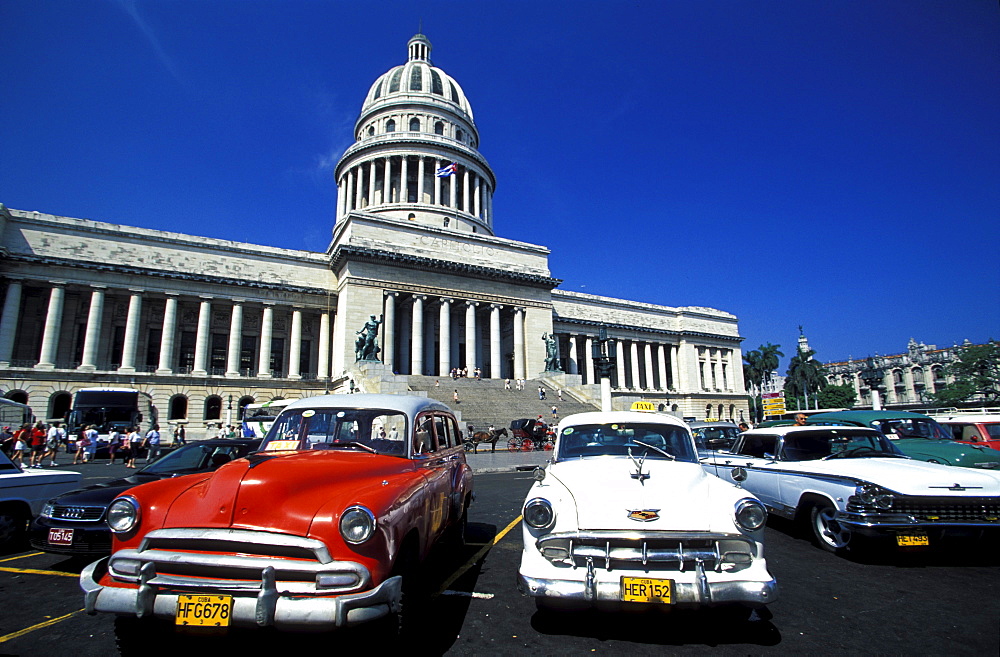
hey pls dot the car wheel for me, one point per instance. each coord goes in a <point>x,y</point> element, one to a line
<point>405,624</point>
<point>828,533</point>
<point>13,526</point>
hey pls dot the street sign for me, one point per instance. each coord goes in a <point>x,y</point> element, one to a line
<point>773,395</point>
<point>774,403</point>
<point>771,412</point>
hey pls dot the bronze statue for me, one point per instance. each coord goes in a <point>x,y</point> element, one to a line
<point>366,346</point>
<point>551,353</point>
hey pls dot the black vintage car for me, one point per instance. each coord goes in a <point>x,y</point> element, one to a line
<point>73,523</point>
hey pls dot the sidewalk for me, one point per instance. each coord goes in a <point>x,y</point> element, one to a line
<point>505,461</point>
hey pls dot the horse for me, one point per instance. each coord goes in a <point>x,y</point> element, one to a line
<point>485,437</point>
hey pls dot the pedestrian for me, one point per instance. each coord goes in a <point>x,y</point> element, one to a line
<point>744,427</point>
<point>222,431</point>
<point>181,434</point>
<point>559,394</point>
<point>53,439</point>
<point>541,393</point>
<point>7,442</point>
<point>82,443</point>
<point>800,420</point>
<point>506,384</point>
<point>134,446</point>
<point>555,412</point>
<point>114,442</point>
<point>21,444</point>
<point>37,442</point>
<point>454,396</point>
<point>152,443</point>
<point>479,374</point>
<point>124,447</point>
<point>232,432</point>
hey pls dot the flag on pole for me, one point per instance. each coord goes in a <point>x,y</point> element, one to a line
<point>446,171</point>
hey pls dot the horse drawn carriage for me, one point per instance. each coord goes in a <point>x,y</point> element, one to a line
<point>530,434</point>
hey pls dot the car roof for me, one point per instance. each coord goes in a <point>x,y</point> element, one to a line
<point>601,417</point>
<point>791,428</point>
<point>409,404</point>
<point>700,424</point>
<point>865,416</point>
<point>976,417</point>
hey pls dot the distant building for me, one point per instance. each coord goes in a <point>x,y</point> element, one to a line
<point>908,378</point>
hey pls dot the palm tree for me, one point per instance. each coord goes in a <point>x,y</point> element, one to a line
<point>769,354</point>
<point>757,373</point>
<point>805,375</point>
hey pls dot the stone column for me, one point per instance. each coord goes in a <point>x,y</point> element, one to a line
<point>95,316</point>
<point>53,326</point>
<point>588,359</point>
<point>911,391</point>
<point>8,324</point>
<point>235,339</point>
<point>264,352</point>
<point>478,198</point>
<point>634,364</point>
<point>662,357</point>
<point>519,343</point>
<point>167,337</point>
<point>674,372</point>
<point>387,181</point>
<point>295,345</point>
<point>444,337</point>
<point>496,367</point>
<point>620,363</point>
<point>404,192</point>
<point>571,362</point>
<point>437,183</point>
<point>417,336</point>
<point>340,198</point>
<point>453,186</point>
<point>465,191</point>
<point>349,192</point>
<point>470,335</point>
<point>371,182</point>
<point>389,331</point>
<point>201,339</point>
<point>647,350</point>
<point>323,366</point>
<point>359,192</point>
<point>131,332</point>
<point>420,179</point>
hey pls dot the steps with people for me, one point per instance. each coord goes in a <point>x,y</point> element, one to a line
<point>486,402</point>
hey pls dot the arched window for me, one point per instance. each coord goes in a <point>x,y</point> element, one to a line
<point>378,91</point>
<point>390,125</point>
<point>59,405</point>
<point>454,92</point>
<point>439,128</point>
<point>416,79</point>
<point>414,125</point>
<point>178,409</point>
<point>897,377</point>
<point>243,404</point>
<point>459,135</point>
<point>213,408</point>
<point>411,217</point>
<point>673,408</point>
<point>436,87</point>
<point>19,396</point>
<point>371,131</point>
<point>708,411</point>
<point>394,81</point>
<point>721,409</point>
<point>447,220</point>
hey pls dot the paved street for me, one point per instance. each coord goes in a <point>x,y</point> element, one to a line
<point>936,603</point>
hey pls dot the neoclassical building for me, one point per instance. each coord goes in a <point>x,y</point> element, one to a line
<point>207,325</point>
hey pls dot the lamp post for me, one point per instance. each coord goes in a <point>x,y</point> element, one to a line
<point>229,412</point>
<point>873,375</point>
<point>604,362</point>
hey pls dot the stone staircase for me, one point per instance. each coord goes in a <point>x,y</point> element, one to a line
<point>485,402</point>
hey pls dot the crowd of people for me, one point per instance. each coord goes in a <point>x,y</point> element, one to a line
<point>31,445</point>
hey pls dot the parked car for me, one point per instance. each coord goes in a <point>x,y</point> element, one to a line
<point>324,527</point>
<point>846,481</point>
<point>980,428</point>
<point>23,492</point>
<point>918,436</point>
<point>714,435</point>
<point>624,516</point>
<point>75,522</point>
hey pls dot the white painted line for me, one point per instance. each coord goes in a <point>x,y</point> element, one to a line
<point>466,594</point>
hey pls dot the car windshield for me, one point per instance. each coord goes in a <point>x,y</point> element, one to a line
<point>655,441</point>
<point>913,428</point>
<point>196,458</point>
<point>368,430</point>
<point>835,443</point>
<point>715,437</point>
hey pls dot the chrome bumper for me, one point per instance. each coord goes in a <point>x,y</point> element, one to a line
<point>699,593</point>
<point>265,609</point>
<point>883,524</point>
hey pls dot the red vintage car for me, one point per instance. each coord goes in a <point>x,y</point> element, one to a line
<point>322,528</point>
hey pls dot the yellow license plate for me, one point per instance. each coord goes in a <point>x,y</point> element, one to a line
<point>204,610</point>
<point>641,589</point>
<point>912,540</point>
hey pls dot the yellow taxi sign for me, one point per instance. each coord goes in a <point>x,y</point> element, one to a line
<point>644,406</point>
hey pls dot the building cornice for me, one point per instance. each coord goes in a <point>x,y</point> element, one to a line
<point>343,254</point>
<point>596,325</point>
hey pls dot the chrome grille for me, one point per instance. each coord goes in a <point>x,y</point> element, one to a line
<point>944,509</point>
<point>81,513</point>
<point>235,561</point>
<point>651,551</point>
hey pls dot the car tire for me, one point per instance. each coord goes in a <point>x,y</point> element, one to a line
<point>13,526</point>
<point>827,533</point>
<point>405,625</point>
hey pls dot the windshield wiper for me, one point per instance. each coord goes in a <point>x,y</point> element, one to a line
<point>352,443</point>
<point>657,449</point>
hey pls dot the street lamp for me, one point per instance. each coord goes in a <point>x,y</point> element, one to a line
<point>873,376</point>
<point>603,350</point>
<point>229,412</point>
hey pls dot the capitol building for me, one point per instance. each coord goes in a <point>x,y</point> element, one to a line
<point>206,326</point>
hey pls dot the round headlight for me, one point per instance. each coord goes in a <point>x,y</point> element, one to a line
<point>47,510</point>
<point>123,515</point>
<point>750,514</point>
<point>538,513</point>
<point>357,524</point>
<point>883,500</point>
<point>866,494</point>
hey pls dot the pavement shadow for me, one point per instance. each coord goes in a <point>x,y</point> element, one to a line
<point>674,627</point>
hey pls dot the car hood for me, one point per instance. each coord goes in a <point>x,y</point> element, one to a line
<point>279,492</point>
<point>684,497</point>
<point>101,494</point>
<point>955,452</point>
<point>907,476</point>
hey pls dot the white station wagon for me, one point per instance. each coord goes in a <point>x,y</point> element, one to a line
<point>852,481</point>
<point>625,515</point>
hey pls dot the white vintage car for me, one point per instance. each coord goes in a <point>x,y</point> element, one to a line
<point>852,481</point>
<point>625,514</point>
<point>23,492</point>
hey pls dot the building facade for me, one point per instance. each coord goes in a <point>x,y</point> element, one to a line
<point>206,326</point>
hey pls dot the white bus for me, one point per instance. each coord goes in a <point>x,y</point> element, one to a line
<point>14,414</point>
<point>258,418</point>
<point>110,409</point>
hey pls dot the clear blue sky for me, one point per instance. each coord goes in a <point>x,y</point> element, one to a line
<point>834,165</point>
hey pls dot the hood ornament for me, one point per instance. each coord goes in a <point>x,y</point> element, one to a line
<point>639,474</point>
<point>643,515</point>
<point>957,487</point>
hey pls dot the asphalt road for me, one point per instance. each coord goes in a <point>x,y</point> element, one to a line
<point>938,602</point>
